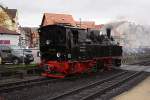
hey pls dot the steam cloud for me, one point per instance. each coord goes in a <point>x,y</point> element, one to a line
<point>133,37</point>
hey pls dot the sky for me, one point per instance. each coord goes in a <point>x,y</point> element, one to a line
<point>101,11</point>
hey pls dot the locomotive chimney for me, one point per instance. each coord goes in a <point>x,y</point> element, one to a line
<point>108,31</point>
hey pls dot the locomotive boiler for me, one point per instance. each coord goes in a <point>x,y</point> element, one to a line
<point>67,50</point>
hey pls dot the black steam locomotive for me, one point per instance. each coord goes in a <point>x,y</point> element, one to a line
<point>69,50</point>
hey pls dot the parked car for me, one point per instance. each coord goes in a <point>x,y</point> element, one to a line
<point>15,55</point>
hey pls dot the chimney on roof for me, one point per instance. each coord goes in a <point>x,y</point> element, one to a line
<point>80,22</point>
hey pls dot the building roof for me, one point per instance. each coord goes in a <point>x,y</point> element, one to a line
<point>99,26</point>
<point>34,29</point>
<point>52,18</point>
<point>26,29</point>
<point>4,30</point>
<point>2,7</point>
<point>12,13</point>
<point>86,24</point>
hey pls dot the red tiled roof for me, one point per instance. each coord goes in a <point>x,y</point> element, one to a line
<point>7,31</point>
<point>52,18</point>
<point>86,24</point>
<point>99,26</point>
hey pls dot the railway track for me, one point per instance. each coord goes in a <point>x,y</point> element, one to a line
<point>8,87</point>
<point>24,84</point>
<point>98,88</point>
<point>144,63</point>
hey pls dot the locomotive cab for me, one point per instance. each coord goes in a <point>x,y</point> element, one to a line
<point>57,41</point>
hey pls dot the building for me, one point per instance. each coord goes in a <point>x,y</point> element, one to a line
<point>26,36</point>
<point>8,37</point>
<point>9,30</point>
<point>30,37</point>
<point>34,37</point>
<point>52,18</point>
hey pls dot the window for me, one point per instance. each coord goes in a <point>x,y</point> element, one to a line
<point>75,36</point>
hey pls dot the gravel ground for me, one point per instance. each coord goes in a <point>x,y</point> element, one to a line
<point>53,89</point>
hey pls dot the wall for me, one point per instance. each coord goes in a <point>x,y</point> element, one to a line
<point>14,39</point>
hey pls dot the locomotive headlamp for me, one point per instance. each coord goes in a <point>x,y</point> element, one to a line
<point>58,54</point>
<point>47,42</point>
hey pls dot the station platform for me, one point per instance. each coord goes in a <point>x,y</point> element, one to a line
<point>139,92</point>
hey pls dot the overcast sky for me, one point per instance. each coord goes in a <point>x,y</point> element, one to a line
<point>102,11</point>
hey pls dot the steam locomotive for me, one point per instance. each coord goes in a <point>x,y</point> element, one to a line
<point>67,50</point>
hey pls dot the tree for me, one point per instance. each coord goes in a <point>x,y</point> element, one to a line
<point>3,17</point>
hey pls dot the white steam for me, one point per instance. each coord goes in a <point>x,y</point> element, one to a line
<point>133,37</point>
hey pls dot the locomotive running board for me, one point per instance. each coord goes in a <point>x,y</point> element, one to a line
<point>52,75</point>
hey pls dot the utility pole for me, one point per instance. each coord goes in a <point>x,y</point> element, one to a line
<point>22,49</point>
<point>80,22</point>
